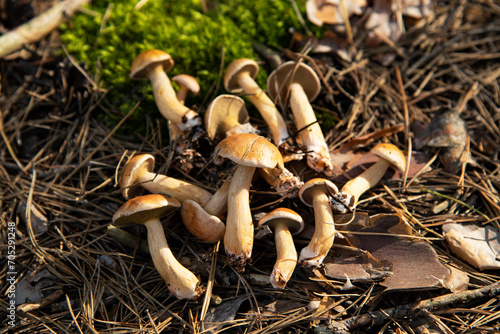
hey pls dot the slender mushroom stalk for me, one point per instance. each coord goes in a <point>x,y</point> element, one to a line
<point>315,193</point>
<point>284,223</point>
<point>138,172</point>
<point>226,115</point>
<point>239,77</point>
<point>348,197</point>
<point>249,151</point>
<point>205,222</point>
<point>147,210</point>
<point>304,86</point>
<point>153,65</point>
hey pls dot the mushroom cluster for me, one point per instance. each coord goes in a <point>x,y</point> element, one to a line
<point>224,214</point>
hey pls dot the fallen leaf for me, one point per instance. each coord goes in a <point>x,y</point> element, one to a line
<point>226,311</point>
<point>479,246</point>
<point>29,289</point>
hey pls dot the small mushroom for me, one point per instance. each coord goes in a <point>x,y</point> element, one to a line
<point>147,210</point>
<point>320,12</point>
<point>304,86</point>
<point>381,24</point>
<point>348,196</point>
<point>227,115</point>
<point>284,223</point>
<point>138,173</point>
<point>187,84</point>
<point>153,65</point>
<point>205,222</point>
<point>249,151</point>
<point>239,77</point>
<point>316,193</point>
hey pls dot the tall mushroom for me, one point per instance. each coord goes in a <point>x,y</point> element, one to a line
<point>348,196</point>
<point>303,85</point>
<point>153,65</point>
<point>147,210</point>
<point>284,223</point>
<point>249,151</point>
<point>316,193</point>
<point>239,77</point>
<point>138,173</point>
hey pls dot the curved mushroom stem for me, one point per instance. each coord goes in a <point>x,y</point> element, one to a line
<point>180,281</point>
<point>318,154</point>
<point>266,108</point>
<point>324,231</point>
<point>181,94</point>
<point>238,239</point>
<point>217,205</point>
<point>180,190</point>
<point>166,100</point>
<point>286,256</point>
<point>353,189</point>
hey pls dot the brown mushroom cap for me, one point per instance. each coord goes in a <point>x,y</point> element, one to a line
<point>292,219</point>
<point>139,210</point>
<point>145,60</point>
<point>200,223</point>
<point>250,150</point>
<point>234,69</point>
<point>279,80</point>
<point>186,80</point>
<point>390,153</point>
<point>305,193</point>
<point>135,167</point>
<point>222,107</point>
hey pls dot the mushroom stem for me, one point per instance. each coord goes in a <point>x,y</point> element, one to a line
<point>286,256</point>
<point>167,102</point>
<point>364,181</point>
<point>238,239</point>
<point>180,190</point>
<point>318,154</point>
<point>217,205</point>
<point>324,231</point>
<point>180,281</point>
<point>266,108</point>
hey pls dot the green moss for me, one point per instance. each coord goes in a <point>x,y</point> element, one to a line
<point>110,35</point>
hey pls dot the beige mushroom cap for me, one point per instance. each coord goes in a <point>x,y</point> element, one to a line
<point>279,80</point>
<point>134,168</point>
<point>220,109</point>
<point>187,81</point>
<point>234,69</point>
<point>139,210</point>
<point>200,223</point>
<point>392,154</point>
<point>292,219</point>
<point>305,193</point>
<point>147,59</point>
<point>250,150</point>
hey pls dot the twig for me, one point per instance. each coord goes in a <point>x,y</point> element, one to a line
<point>380,316</point>
<point>38,27</point>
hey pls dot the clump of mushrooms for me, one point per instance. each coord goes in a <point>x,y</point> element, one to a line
<point>147,210</point>
<point>348,197</point>
<point>249,151</point>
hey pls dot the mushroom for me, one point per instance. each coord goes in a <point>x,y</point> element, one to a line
<point>147,210</point>
<point>304,86</point>
<point>284,223</point>
<point>239,77</point>
<point>249,151</point>
<point>187,83</point>
<point>381,25</point>
<point>138,172</point>
<point>153,65</point>
<point>227,115</point>
<point>330,11</point>
<point>316,193</point>
<point>348,196</point>
<point>205,222</point>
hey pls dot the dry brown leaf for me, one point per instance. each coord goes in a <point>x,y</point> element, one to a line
<point>479,246</point>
